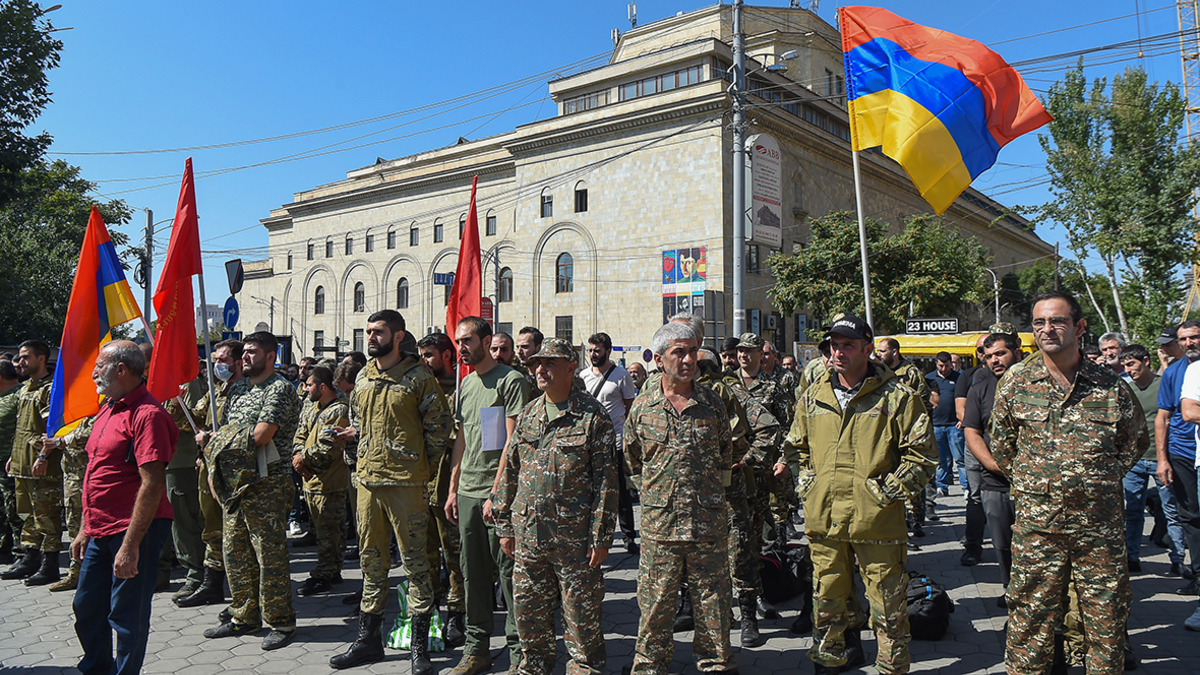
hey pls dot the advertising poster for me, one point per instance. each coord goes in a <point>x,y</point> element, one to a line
<point>685,272</point>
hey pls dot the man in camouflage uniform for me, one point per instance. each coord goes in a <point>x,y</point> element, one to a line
<point>860,441</point>
<point>772,366</point>
<point>1066,431</point>
<point>318,460</point>
<point>10,522</point>
<point>254,531</point>
<point>227,371</point>
<point>678,443</point>
<point>920,503</point>
<point>778,401</point>
<point>402,423</point>
<point>38,473</point>
<point>183,490</point>
<point>555,515</point>
<point>74,465</point>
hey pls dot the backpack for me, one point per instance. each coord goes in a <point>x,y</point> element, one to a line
<point>787,572</point>
<point>929,608</point>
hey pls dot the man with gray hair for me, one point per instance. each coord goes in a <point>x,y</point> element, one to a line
<point>670,436</point>
<point>1111,345</point>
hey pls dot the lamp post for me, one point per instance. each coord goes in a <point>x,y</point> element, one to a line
<point>270,306</point>
<point>996,292</point>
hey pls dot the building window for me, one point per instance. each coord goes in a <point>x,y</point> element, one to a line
<point>446,295</point>
<point>581,200</point>
<point>414,235</point>
<point>289,260</point>
<point>438,233</point>
<point>359,339</point>
<point>491,226</point>
<point>349,246</point>
<point>659,83</point>
<point>586,102</point>
<point>564,328</point>
<point>462,224</point>
<point>841,90</point>
<point>312,250</point>
<point>391,239</point>
<point>369,245</point>
<point>319,301</point>
<point>564,274</point>
<point>547,204</point>
<point>504,327</point>
<point>752,263</point>
<point>506,284</point>
<point>402,293</point>
<point>328,248</point>
<point>360,297</point>
<point>318,341</point>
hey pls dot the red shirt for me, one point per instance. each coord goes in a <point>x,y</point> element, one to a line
<point>112,481</point>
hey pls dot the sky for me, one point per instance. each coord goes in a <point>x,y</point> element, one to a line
<point>270,98</point>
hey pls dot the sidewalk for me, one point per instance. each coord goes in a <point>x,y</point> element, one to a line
<point>37,634</point>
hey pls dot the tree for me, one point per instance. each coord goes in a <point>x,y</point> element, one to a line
<point>42,228</point>
<point>1124,190</point>
<point>926,266</point>
<point>1039,278</point>
<point>27,51</point>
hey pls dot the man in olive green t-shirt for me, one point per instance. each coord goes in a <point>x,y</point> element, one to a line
<point>489,401</point>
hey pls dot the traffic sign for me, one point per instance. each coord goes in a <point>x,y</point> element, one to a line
<point>486,309</point>
<point>443,278</point>
<point>231,335</point>
<point>942,326</point>
<point>231,313</point>
<point>233,270</point>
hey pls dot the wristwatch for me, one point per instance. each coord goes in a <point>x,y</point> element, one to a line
<point>43,457</point>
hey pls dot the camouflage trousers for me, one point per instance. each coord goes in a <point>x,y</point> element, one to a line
<point>328,513</point>
<point>404,511</point>
<point>540,578</point>
<point>183,493</point>
<point>40,501</point>
<point>256,555</point>
<point>1043,564</point>
<point>760,504</point>
<point>443,543</point>
<point>743,554</point>
<point>74,466</point>
<point>10,520</point>
<point>783,496</point>
<point>662,567</point>
<point>835,604</point>
<point>210,508</point>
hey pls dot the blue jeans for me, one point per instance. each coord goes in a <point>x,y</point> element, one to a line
<point>1135,483</point>
<point>104,603</point>
<point>951,445</point>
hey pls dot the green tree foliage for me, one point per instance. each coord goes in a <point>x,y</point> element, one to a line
<point>925,264</point>
<point>1039,278</point>
<point>1123,188</point>
<point>42,228</point>
<point>27,51</point>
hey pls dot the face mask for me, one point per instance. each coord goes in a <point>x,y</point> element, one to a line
<point>222,372</point>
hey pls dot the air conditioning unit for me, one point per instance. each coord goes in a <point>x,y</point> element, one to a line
<point>771,322</point>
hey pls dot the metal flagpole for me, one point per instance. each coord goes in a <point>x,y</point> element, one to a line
<point>212,392</point>
<point>862,240</point>
<point>149,338</point>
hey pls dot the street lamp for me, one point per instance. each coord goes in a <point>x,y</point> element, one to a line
<point>269,305</point>
<point>996,292</point>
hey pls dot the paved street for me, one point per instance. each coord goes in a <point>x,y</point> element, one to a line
<point>37,636</point>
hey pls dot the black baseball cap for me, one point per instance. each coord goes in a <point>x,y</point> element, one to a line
<point>1169,335</point>
<point>848,325</point>
<point>730,343</point>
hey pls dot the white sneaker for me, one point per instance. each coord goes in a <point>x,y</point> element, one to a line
<point>294,528</point>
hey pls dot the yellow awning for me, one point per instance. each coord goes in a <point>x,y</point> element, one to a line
<point>962,344</point>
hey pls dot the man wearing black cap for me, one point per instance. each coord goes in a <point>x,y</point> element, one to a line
<point>861,440</point>
<point>1169,350</point>
<point>729,358</point>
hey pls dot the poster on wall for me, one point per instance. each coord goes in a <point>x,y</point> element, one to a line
<point>685,278</point>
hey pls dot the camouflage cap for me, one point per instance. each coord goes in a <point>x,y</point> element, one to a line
<point>749,341</point>
<point>1002,327</point>
<point>554,348</point>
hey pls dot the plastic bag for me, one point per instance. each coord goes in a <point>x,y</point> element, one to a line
<point>401,635</point>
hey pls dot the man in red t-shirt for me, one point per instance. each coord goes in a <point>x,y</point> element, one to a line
<point>126,515</point>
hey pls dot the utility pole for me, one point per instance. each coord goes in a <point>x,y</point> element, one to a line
<point>739,171</point>
<point>147,306</point>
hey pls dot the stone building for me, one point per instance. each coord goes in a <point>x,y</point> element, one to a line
<point>609,215</point>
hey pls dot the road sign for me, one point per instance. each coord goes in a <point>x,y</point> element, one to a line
<point>443,278</point>
<point>942,326</point>
<point>647,356</point>
<point>231,313</point>
<point>329,348</point>
<point>231,335</point>
<point>233,270</point>
<point>486,309</point>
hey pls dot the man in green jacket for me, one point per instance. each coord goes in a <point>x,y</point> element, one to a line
<point>860,441</point>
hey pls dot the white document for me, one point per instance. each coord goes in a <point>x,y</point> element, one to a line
<point>495,432</point>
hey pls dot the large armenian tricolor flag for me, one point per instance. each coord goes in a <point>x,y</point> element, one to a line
<point>100,300</point>
<point>939,104</point>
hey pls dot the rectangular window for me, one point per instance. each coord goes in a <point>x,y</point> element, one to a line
<point>462,224</point>
<point>438,233</point>
<point>369,245</point>
<point>629,91</point>
<point>504,327</point>
<point>841,91</point>
<point>491,226</point>
<point>312,251</point>
<point>752,265</point>
<point>289,261</point>
<point>547,206</point>
<point>349,246</point>
<point>829,83</point>
<point>359,339</point>
<point>318,339</point>
<point>414,237</point>
<point>581,200</point>
<point>391,239</point>
<point>446,295</point>
<point>329,249</point>
<point>564,328</point>
<point>585,102</point>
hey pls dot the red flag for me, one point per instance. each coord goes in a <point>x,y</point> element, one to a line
<point>175,361</point>
<point>467,291</point>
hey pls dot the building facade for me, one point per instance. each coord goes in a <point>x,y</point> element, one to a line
<point>610,215</point>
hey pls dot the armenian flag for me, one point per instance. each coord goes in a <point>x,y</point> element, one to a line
<point>941,105</point>
<point>100,300</point>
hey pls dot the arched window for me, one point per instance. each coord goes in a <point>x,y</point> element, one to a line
<point>547,203</point>
<point>439,233</point>
<point>391,239</point>
<point>581,197</point>
<point>311,250</point>
<point>506,284</point>
<point>565,276</point>
<point>349,245</point>
<point>360,297</point>
<point>414,235</point>
<point>289,260</point>
<point>328,248</point>
<point>402,293</point>
<point>319,301</point>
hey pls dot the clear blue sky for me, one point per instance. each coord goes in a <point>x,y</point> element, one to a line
<point>139,75</point>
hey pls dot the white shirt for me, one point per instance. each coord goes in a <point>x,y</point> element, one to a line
<point>1191,392</point>
<point>617,388</point>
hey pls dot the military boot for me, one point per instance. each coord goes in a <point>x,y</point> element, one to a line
<point>211,591</point>
<point>70,582</point>
<point>421,665</point>
<point>750,636</point>
<point>48,573</point>
<point>456,631</point>
<point>189,587</point>
<point>683,617</point>
<point>25,567</point>
<point>368,647</point>
<point>855,656</point>
<point>6,550</point>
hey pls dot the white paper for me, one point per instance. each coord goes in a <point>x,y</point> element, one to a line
<point>495,432</point>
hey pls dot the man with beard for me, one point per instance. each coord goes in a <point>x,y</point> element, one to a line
<point>402,423</point>
<point>1111,345</point>
<point>253,530</point>
<point>318,460</point>
<point>729,355</point>
<point>529,342</point>
<point>637,374</point>
<point>304,370</point>
<point>502,349</point>
<point>437,352</point>
<point>770,393</point>
<point>772,366</point>
<point>612,386</point>
<point>1175,446</point>
<point>489,400</point>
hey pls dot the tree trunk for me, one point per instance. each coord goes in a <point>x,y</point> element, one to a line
<point>1091,296</point>
<point>1116,293</point>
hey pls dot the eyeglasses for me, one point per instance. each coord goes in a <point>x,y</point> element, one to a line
<point>1055,322</point>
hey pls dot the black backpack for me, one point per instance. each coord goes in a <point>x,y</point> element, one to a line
<point>929,608</point>
<point>787,572</point>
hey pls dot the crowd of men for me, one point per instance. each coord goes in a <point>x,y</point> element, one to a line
<point>507,487</point>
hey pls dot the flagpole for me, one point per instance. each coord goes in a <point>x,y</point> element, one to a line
<point>186,413</point>
<point>862,240</point>
<point>212,392</point>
